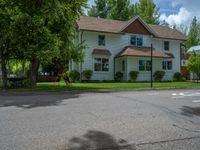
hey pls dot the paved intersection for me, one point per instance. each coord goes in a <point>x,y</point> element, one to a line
<point>121,120</point>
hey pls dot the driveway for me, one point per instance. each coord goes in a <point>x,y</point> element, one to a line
<point>121,120</point>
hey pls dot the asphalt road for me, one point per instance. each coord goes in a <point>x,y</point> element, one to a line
<point>123,120</point>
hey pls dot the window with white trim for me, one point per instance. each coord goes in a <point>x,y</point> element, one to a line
<point>166,45</point>
<point>167,65</point>
<point>102,40</point>
<point>101,64</point>
<point>144,65</point>
<point>136,40</point>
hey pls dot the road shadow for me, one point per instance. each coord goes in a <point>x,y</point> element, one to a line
<point>190,111</point>
<point>40,99</point>
<point>97,140</point>
<point>32,100</point>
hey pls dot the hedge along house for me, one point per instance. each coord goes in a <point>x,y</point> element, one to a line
<point>124,46</point>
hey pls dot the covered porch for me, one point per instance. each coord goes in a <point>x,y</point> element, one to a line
<point>139,59</point>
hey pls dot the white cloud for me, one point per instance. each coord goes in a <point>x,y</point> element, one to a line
<point>176,19</point>
<point>188,9</point>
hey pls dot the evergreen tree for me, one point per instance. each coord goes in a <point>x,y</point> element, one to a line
<point>120,10</point>
<point>193,37</point>
<point>100,9</point>
<point>148,10</point>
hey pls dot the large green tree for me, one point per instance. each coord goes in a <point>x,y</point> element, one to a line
<point>148,10</point>
<point>45,30</point>
<point>194,64</point>
<point>7,13</point>
<point>193,37</point>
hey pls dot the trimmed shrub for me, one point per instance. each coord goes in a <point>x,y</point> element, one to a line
<point>178,77</point>
<point>87,74</point>
<point>74,75</point>
<point>118,76</point>
<point>158,75</point>
<point>133,75</point>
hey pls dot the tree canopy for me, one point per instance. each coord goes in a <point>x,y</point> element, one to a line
<point>125,10</point>
<point>42,30</point>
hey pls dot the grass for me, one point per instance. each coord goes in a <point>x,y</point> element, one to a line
<point>60,87</point>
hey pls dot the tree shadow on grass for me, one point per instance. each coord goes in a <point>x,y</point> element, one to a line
<point>190,111</point>
<point>97,140</point>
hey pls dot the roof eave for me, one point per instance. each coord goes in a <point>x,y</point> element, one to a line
<point>101,31</point>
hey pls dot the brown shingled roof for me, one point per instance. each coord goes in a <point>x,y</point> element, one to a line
<point>114,26</point>
<point>99,24</point>
<point>101,52</point>
<point>167,32</point>
<point>142,52</point>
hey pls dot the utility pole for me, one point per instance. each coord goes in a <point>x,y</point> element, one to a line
<point>151,65</point>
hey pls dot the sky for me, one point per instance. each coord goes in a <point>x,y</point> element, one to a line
<point>175,12</point>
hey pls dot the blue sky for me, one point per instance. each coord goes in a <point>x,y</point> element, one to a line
<point>175,12</point>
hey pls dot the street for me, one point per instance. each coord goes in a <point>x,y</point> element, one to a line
<point>118,120</point>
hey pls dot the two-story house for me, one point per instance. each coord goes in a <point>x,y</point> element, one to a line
<point>124,46</point>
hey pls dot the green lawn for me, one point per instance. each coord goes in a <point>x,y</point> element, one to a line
<point>59,87</point>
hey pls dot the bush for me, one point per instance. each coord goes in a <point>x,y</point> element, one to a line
<point>74,75</point>
<point>133,75</point>
<point>19,83</point>
<point>158,75</point>
<point>66,77</point>
<point>178,77</point>
<point>118,76</point>
<point>87,74</point>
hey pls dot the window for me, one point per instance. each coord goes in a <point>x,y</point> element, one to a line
<point>123,65</point>
<point>167,65</point>
<point>101,40</point>
<point>144,65</point>
<point>166,45</point>
<point>136,40</point>
<point>101,64</point>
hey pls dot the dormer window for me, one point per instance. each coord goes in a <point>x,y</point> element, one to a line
<point>166,45</point>
<point>101,40</point>
<point>136,40</point>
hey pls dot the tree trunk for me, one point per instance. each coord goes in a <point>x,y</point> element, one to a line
<point>3,69</point>
<point>33,71</point>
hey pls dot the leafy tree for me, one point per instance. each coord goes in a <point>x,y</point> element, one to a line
<point>7,13</point>
<point>148,10</point>
<point>194,64</point>
<point>45,30</point>
<point>193,37</point>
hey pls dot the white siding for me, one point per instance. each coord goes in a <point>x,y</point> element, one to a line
<point>175,50</point>
<point>115,43</point>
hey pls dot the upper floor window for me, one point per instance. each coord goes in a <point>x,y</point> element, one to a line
<point>136,40</point>
<point>101,64</point>
<point>166,45</point>
<point>167,65</point>
<point>101,40</point>
<point>144,65</point>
